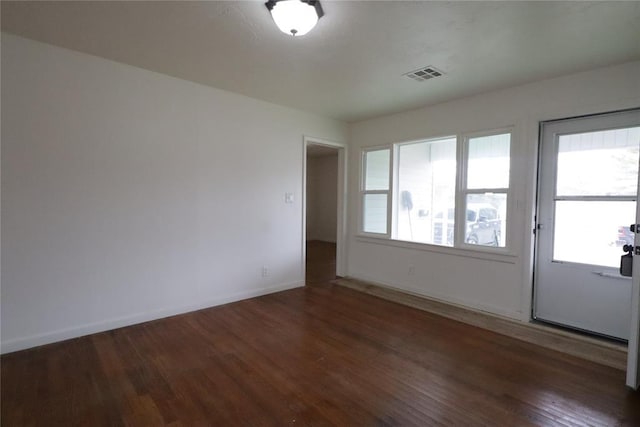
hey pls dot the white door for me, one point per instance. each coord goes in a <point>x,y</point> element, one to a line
<point>633,362</point>
<point>587,193</point>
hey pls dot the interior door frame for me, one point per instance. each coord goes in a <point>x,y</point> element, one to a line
<point>341,214</point>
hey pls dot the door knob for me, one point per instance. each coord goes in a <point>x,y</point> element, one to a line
<point>631,249</point>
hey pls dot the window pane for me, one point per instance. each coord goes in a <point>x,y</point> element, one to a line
<point>377,170</point>
<point>374,209</point>
<point>598,163</point>
<point>426,192</point>
<point>486,219</point>
<point>592,232</point>
<point>488,165</point>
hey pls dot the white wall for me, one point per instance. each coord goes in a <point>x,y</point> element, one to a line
<point>128,195</point>
<point>322,198</point>
<point>498,284</point>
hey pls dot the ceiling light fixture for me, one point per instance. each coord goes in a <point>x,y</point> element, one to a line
<point>295,17</point>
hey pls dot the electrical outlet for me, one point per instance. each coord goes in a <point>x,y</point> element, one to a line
<point>265,271</point>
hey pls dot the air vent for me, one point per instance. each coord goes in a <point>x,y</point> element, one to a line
<point>425,73</point>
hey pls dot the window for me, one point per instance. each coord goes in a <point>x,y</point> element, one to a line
<point>485,192</point>
<point>426,182</point>
<point>595,190</point>
<point>423,191</point>
<point>375,191</point>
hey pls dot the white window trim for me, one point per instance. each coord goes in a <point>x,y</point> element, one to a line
<point>460,247</point>
<point>363,191</point>
<point>462,191</point>
<point>396,184</point>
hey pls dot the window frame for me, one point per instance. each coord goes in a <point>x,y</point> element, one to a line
<point>363,191</point>
<point>461,192</point>
<point>396,183</point>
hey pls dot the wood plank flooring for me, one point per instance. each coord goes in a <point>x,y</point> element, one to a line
<point>594,349</point>
<point>319,355</point>
<point>320,262</point>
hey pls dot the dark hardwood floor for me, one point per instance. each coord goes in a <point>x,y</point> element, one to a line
<point>321,262</point>
<point>318,355</point>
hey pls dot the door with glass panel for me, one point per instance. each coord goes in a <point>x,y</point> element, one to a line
<point>587,194</point>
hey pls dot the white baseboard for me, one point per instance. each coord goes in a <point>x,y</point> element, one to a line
<point>23,343</point>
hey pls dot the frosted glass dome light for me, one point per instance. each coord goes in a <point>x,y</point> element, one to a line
<point>295,17</point>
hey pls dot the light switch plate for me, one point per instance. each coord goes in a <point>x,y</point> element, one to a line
<point>288,197</point>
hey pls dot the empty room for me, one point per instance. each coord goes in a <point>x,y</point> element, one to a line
<point>302,212</point>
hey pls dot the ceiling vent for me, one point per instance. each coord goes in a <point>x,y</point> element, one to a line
<point>425,73</point>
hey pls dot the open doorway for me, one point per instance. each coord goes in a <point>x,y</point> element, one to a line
<point>323,207</point>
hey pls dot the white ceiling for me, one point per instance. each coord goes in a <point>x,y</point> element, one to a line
<point>350,66</point>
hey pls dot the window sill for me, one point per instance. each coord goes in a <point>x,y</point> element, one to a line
<point>487,254</point>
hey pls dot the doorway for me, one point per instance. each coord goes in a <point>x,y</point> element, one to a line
<point>324,182</point>
<point>587,195</point>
